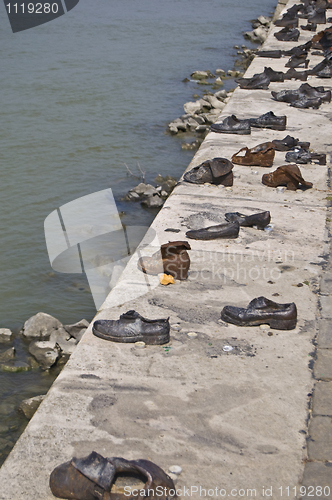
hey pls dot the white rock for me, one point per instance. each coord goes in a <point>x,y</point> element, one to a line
<point>40,326</point>
<point>199,75</point>
<point>175,469</point>
<point>221,94</point>
<point>220,72</point>
<point>219,81</point>
<point>264,327</point>
<point>192,335</point>
<point>215,103</point>
<point>5,334</point>
<point>192,107</point>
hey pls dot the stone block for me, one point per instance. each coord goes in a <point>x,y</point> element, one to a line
<point>320,439</point>
<point>316,475</point>
<point>325,334</point>
<point>326,303</point>
<point>326,283</point>
<point>322,399</point>
<point>323,364</point>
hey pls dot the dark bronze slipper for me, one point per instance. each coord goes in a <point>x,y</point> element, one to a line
<point>260,220</point>
<point>225,230</point>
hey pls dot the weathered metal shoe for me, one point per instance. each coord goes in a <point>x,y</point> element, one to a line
<point>274,76</point>
<point>292,74</point>
<point>296,61</point>
<point>307,102</point>
<point>288,35</point>
<point>132,327</point>
<point>260,156</point>
<point>172,258</point>
<point>261,220</point>
<point>94,478</point>
<point>309,27</point>
<point>304,156</point>
<point>288,143</point>
<point>258,81</point>
<point>286,175</point>
<point>273,54</point>
<point>262,311</point>
<point>269,120</point>
<point>227,230</point>
<point>298,49</point>
<point>232,125</point>
<point>216,171</point>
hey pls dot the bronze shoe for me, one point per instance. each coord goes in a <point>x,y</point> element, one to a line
<point>260,156</point>
<point>287,175</point>
<point>172,258</point>
<point>216,171</point>
<point>94,477</point>
<point>262,311</point>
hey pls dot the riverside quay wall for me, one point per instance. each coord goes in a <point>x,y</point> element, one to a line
<point>244,411</point>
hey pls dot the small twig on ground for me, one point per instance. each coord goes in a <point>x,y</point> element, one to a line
<point>143,173</point>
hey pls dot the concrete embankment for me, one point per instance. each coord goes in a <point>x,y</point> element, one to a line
<point>234,420</point>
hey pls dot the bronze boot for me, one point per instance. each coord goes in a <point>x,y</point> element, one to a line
<point>172,258</point>
<point>259,156</point>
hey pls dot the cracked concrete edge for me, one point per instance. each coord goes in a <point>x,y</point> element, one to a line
<point>318,466</point>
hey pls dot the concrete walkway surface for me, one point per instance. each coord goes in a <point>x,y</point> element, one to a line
<point>230,405</point>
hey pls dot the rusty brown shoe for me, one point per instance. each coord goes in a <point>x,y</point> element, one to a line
<point>172,258</point>
<point>259,156</point>
<point>286,175</point>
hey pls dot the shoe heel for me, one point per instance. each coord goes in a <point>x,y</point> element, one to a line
<point>283,324</point>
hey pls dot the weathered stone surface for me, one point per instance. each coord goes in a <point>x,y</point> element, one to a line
<point>7,355</point>
<point>169,185</point>
<point>325,334</point>
<point>317,474</point>
<point>67,347</point>
<point>258,35</point>
<point>320,438</point>
<point>326,302</point>
<point>144,189</point>
<point>29,406</point>
<point>15,367</point>
<point>78,329</point>
<point>192,107</point>
<point>220,71</point>
<point>59,335</point>
<point>221,94</point>
<point>40,326</point>
<point>5,335</point>
<point>323,364</point>
<point>215,103</point>
<point>46,353</point>
<point>153,202</point>
<point>264,20</point>
<point>326,283</point>
<point>322,399</point>
<point>218,81</point>
<point>200,75</point>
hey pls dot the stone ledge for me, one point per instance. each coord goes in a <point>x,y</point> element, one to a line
<point>320,439</point>
<point>323,365</point>
<point>317,474</point>
<point>322,399</point>
<point>325,334</point>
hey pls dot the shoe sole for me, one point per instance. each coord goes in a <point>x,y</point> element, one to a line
<point>239,132</point>
<point>151,340</point>
<point>276,324</point>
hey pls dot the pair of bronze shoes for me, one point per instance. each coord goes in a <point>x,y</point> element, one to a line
<point>286,175</point>
<point>231,228</point>
<point>172,258</point>
<point>95,478</point>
